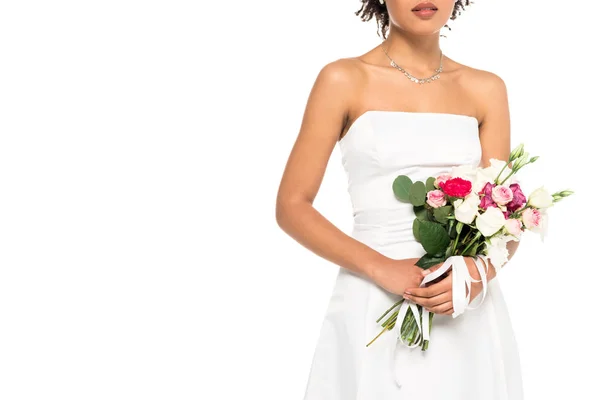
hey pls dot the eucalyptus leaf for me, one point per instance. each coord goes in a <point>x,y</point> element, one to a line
<point>415,227</point>
<point>441,214</point>
<point>421,213</point>
<point>401,187</point>
<point>434,237</point>
<point>430,214</point>
<point>417,194</point>
<point>429,184</point>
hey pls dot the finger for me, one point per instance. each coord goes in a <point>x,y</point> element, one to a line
<point>440,308</point>
<point>449,311</point>
<point>429,270</point>
<point>439,278</point>
<point>429,302</point>
<point>436,289</point>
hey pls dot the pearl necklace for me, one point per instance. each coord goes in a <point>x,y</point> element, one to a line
<point>413,78</point>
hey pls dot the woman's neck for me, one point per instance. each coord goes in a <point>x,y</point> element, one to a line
<point>415,52</point>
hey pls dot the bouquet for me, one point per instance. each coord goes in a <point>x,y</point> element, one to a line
<point>470,212</point>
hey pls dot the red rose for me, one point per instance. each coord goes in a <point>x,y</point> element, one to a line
<point>456,187</point>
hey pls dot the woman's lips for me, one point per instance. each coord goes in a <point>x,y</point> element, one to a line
<point>425,13</point>
<point>425,10</point>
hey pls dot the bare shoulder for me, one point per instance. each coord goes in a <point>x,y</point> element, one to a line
<point>336,88</point>
<point>486,89</point>
<point>341,74</point>
<point>488,81</point>
<point>481,82</point>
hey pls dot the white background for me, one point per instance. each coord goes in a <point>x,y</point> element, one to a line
<point>141,147</point>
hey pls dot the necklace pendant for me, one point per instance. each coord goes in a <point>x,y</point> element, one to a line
<point>420,81</point>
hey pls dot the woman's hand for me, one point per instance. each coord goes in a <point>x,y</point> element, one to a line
<point>436,297</point>
<point>396,276</point>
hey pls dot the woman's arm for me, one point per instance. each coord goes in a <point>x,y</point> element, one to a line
<point>494,135</point>
<point>323,121</point>
<point>494,130</point>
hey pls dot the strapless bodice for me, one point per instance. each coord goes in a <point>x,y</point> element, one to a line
<point>380,145</point>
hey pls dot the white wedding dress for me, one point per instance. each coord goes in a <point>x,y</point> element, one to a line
<point>471,357</point>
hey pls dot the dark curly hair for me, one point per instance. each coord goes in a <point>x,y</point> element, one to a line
<point>372,8</point>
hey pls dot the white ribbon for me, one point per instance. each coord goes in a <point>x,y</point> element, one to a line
<point>460,301</point>
<point>460,279</point>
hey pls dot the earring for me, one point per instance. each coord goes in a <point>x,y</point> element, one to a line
<point>381,2</point>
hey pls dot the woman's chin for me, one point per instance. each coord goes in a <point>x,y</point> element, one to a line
<point>423,29</point>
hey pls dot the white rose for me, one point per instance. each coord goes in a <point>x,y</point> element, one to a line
<point>490,173</point>
<point>480,181</point>
<point>540,198</point>
<point>464,171</point>
<point>497,251</point>
<point>466,210</point>
<point>490,221</point>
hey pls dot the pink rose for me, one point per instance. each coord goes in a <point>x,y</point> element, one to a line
<point>456,187</point>
<point>436,198</point>
<point>487,200</point>
<point>532,218</point>
<point>518,199</point>
<point>502,195</point>
<point>513,227</point>
<point>487,189</point>
<point>441,179</point>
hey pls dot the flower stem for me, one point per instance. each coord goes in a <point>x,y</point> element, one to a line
<point>477,236</point>
<point>455,242</point>
<point>391,320</point>
<point>376,337</point>
<point>519,213</point>
<point>500,174</point>
<point>411,333</point>
<point>508,176</point>
<point>396,304</point>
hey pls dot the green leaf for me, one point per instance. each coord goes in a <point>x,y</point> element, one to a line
<point>428,261</point>
<point>459,227</point>
<point>429,185</point>
<point>434,237</point>
<point>441,214</point>
<point>417,194</point>
<point>448,252</point>
<point>401,187</point>
<point>415,228</point>
<point>430,214</point>
<point>421,213</point>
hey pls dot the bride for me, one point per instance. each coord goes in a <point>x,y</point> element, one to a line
<point>401,108</point>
